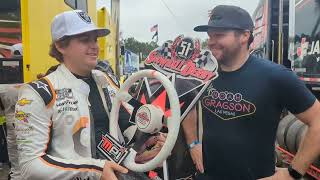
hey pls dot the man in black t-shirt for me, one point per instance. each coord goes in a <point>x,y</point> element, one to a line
<point>241,108</point>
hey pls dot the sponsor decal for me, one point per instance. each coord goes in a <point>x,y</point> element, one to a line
<point>23,141</point>
<point>67,102</point>
<point>41,85</point>
<point>24,130</point>
<point>67,109</point>
<point>84,16</point>
<point>64,94</point>
<point>112,149</point>
<point>186,69</point>
<point>24,101</point>
<point>112,92</point>
<point>184,58</point>
<point>143,118</point>
<point>22,116</point>
<point>227,105</point>
<point>309,48</point>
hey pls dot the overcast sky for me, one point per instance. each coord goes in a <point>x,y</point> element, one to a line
<point>181,16</point>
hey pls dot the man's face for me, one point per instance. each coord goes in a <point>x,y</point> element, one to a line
<point>224,45</point>
<point>82,52</point>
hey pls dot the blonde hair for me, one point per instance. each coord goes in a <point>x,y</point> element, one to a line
<point>54,52</point>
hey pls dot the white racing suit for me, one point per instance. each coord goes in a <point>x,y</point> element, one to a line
<point>9,97</point>
<point>55,134</point>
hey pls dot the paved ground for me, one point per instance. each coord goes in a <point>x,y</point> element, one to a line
<point>4,169</point>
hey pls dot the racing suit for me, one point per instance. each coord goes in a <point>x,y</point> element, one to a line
<point>9,97</point>
<point>55,136</point>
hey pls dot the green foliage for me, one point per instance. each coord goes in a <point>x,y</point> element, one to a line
<point>204,44</point>
<point>139,47</point>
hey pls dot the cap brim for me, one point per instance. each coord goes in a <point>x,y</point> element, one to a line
<point>100,31</point>
<point>202,28</point>
<point>206,28</point>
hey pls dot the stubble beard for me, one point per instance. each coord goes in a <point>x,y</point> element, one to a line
<point>229,54</point>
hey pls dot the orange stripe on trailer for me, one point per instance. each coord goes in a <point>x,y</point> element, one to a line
<point>310,79</point>
<point>10,30</point>
<point>9,40</point>
<point>5,52</point>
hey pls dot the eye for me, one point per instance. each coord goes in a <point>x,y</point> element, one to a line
<point>219,35</point>
<point>216,35</point>
<point>84,39</point>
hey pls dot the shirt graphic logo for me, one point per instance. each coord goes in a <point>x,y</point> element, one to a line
<point>227,105</point>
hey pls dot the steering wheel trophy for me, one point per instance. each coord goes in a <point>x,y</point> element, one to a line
<point>174,63</point>
<point>148,119</point>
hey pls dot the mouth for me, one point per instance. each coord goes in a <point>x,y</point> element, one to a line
<point>92,55</point>
<point>215,50</point>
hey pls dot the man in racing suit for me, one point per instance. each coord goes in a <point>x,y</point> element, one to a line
<point>55,136</point>
<point>9,97</point>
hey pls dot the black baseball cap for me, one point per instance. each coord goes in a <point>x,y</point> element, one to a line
<point>228,17</point>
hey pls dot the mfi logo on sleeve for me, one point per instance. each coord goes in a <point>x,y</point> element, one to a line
<point>112,149</point>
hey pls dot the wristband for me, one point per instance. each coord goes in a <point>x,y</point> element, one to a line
<point>194,143</point>
<point>294,173</point>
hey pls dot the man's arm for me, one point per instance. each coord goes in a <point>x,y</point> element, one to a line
<point>309,149</point>
<point>310,146</point>
<point>33,139</point>
<point>189,125</point>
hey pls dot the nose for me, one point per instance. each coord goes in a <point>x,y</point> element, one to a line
<point>93,43</point>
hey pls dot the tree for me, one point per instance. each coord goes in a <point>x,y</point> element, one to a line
<point>204,44</point>
<point>140,47</point>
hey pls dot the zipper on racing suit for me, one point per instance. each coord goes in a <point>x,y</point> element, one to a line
<point>92,133</point>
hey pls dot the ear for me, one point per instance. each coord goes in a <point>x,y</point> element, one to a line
<point>245,37</point>
<point>59,48</point>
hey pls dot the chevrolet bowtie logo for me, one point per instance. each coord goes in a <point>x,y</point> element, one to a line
<point>24,101</point>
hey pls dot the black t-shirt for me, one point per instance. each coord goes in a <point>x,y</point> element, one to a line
<point>241,111</point>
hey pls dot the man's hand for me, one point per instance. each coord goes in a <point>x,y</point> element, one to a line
<point>109,169</point>
<point>156,142</point>
<point>196,155</point>
<point>281,174</point>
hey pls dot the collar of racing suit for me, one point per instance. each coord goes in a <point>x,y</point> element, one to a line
<point>103,81</point>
